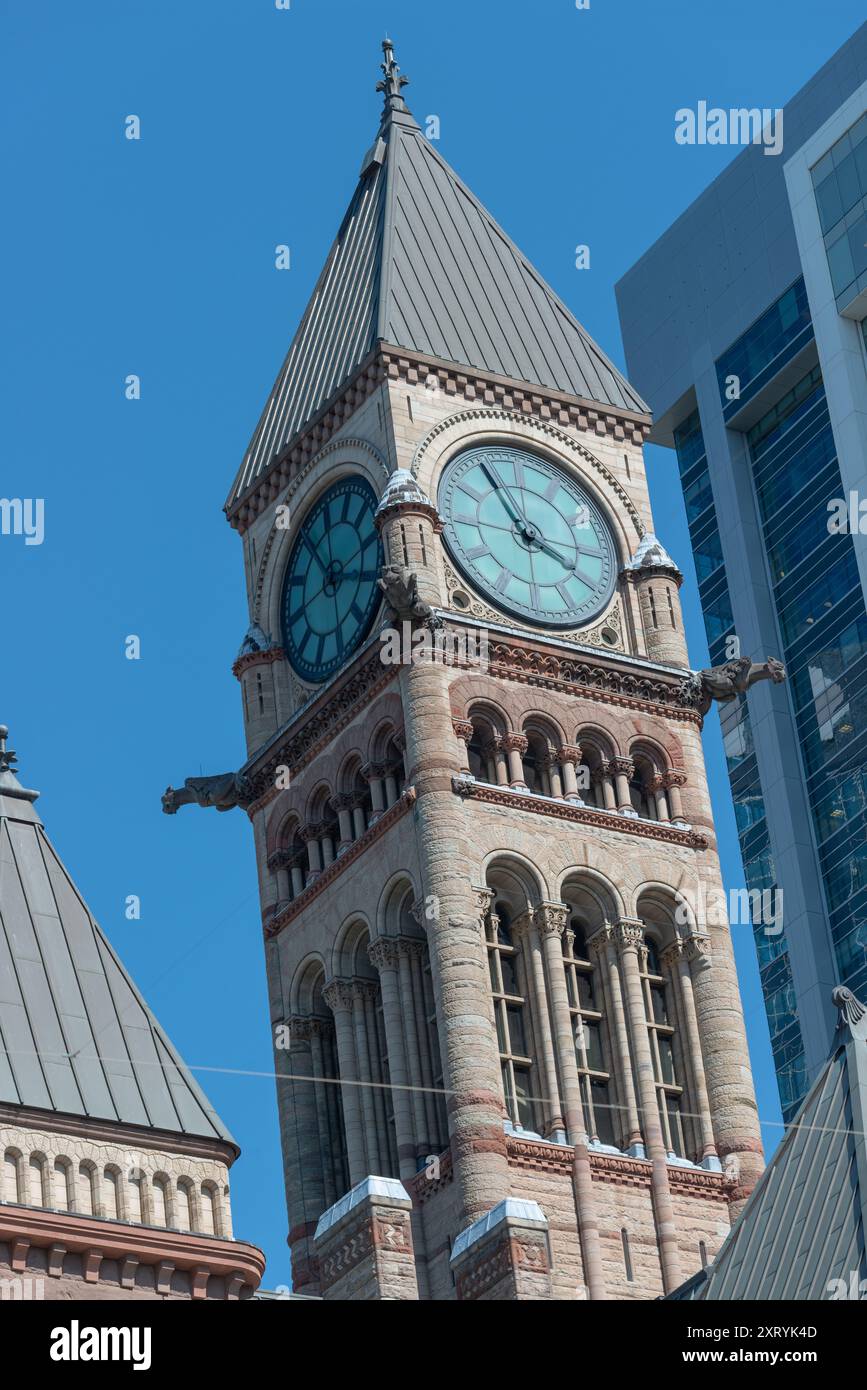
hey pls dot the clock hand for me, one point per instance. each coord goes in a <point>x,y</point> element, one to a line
<point>504,497</point>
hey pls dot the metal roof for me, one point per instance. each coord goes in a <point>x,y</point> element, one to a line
<point>804,1224</point>
<point>76,1036</point>
<point>419,264</point>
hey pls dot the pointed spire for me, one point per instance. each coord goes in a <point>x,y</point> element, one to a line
<point>392,81</point>
<point>9,784</point>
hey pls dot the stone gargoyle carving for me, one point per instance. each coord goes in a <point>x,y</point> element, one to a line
<point>400,586</point>
<point>225,791</point>
<point>733,678</point>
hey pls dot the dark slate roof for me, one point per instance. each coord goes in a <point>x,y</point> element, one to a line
<point>75,1034</point>
<point>418,263</point>
<point>805,1222</point>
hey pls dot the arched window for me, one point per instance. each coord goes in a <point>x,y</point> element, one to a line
<point>660,1024</point>
<point>159,1202</point>
<point>86,1197</point>
<point>111,1191</point>
<point>535,762</point>
<point>185,1213</point>
<point>63,1197</point>
<point>507,987</point>
<point>208,1223</point>
<point>586,1012</point>
<point>36,1174</point>
<point>10,1176</point>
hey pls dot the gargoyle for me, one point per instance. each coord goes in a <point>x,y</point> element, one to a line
<point>400,586</point>
<point>723,683</point>
<point>225,791</point>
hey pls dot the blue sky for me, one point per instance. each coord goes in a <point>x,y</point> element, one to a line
<point>156,258</point>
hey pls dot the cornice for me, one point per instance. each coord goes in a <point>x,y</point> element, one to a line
<point>386,362</point>
<point>104,1131</point>
<point>619,1169</point>
<point>582,815</point>
<point>126,1242</point>
<point>374,832</point>
<point>263,658</point>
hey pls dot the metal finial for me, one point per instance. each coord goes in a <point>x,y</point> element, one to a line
<point>9,784</point>
<point>393,81</point>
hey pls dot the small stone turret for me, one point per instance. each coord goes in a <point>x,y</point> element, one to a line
<point>657,581</point>
<point>408,523</point>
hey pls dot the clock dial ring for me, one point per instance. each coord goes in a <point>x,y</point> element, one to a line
<point>527,535</point>
<point>330,595</point>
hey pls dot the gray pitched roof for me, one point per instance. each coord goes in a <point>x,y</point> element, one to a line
<point>75,1034</point>
<point>806,1220</point>
<point>418,263</point>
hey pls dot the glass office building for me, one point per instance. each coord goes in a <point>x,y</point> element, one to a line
<point>753,359</point>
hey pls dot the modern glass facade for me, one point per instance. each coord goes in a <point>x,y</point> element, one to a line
<point>774,968</point>
<point>822,625</point>
<point>840,184</point>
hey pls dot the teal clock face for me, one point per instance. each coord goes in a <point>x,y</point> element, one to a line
<point>527,536</point>
<point>330,593</point>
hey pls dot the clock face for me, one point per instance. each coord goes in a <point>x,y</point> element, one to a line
<point>330,593</point>
<point>526,535</point>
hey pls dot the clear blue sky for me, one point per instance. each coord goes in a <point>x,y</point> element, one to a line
<point>157,258</point>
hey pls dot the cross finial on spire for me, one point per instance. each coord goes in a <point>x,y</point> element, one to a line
<point>393,81</point>
<point>7,759</point>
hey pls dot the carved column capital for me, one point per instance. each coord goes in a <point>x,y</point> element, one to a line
<point>484,902</point>
<point>624,766</point>
<point>551,918</point>
<point>372,772</point>
<point>569,753</point>
<point>697,950</point>
<point>338,995</point>
<point>311,831</point>
<point>513,743</point>
<point>628,932</point>
<point>342,801</point>
<point>675,777</point>
<point>670,954</point>
<point>300,1028</point>
<point>364,989</point>
<point>384,953</point>
<point>463,729</point>
<point>598,943</point>
<point>281,859</point>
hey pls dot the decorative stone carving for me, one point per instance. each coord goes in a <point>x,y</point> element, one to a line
<point>733,678</point>
<point>400,586</point>
<point>224,791</point>
<point>551,918</point>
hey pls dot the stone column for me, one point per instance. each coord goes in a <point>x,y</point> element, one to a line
<point>391,791</point>
<point>570,758</point>
<point>515,746</point>
<point>525,932</point>
<point>674,780</point>
<point>338,996</point>
<point>365,1246</point>
<point>342,805</point>
<point>372,774</point>
<point>464,731</point>
<point>296,872</point>
<point>310,836</point>
<point>359,824</point>
<point>404,950</point>
<point>300,1144</point>
<point>416,952</point>
<point>321,1028</point>
<point>360,989</point>
<point>629,936</point>
<point>551,921</point>
<point>677,957</point>
<point>660,798</point>
<point>726,1057</point>
<point>383,955</point>
<point>326,844</point>
<point>555,776</point>
<point>623,770</point>
<point>459,969</point>
<point>601,945</point>
<point>377,1077</point>
<point>495,755</point>
<point>604,777</point>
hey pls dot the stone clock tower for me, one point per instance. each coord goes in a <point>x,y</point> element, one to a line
<point>510,1047</point>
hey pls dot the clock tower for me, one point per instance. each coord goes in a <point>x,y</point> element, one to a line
<point>508,1035</point>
